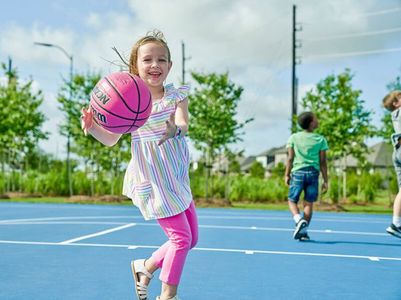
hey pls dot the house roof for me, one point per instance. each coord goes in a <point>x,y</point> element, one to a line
<point>380,155</point>
<point>273,151</point>
<point>247,162</point>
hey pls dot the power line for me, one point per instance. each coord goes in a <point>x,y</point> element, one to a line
<point>381,12</point>
<point>359,53</point>
<point>368,14</point>
<point>343,36</point>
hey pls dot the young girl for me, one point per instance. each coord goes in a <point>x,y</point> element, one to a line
<point>157,176</point>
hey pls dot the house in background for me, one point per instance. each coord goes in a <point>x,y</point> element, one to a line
<point>269,159</point>
<point>379,159</point>
<point>247,163</point>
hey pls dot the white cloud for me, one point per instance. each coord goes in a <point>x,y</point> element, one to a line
<point>94,20</point>
<point>19,42</point>
<point>249,39</point>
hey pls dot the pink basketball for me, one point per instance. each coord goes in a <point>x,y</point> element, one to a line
<point>121,102</point>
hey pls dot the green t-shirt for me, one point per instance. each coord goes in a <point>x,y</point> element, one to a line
<point>307,147</point>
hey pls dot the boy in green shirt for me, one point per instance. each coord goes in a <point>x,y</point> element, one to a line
<point>306,159</point>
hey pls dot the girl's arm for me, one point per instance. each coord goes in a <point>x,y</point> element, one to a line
<point>181,116</point>
<point>177,123</point>
<point>102,135</point>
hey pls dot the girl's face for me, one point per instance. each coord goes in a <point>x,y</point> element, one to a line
<point>153,64</point>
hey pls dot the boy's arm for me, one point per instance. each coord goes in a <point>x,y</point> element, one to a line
<point>288,165</point>
<point>323,170</point>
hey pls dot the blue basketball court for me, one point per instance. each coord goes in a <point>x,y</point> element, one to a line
<point>84,252</point>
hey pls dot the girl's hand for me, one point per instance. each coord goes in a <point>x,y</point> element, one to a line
<point>171,128</point>
<point>86,119</point>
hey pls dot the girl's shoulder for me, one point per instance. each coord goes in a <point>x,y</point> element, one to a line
<point>176,94</point>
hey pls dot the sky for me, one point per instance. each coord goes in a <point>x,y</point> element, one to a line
<point>249,39</point>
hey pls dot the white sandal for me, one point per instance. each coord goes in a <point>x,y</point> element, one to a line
<point>174,298</point>
<point>138,266</point>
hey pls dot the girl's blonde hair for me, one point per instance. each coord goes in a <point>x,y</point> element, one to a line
<point>390,98</point>
<point>155,36</point>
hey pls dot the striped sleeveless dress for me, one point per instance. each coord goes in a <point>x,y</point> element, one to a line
<point>157,178</point>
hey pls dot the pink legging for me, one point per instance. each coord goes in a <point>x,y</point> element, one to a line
<point>182,231</point>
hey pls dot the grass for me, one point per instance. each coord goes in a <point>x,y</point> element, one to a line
<point>37,200</point>
<point>64,200</point>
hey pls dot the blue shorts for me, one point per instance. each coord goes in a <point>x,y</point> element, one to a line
<point>307,180</point>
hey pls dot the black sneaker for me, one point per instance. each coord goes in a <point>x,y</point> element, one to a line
<point>394,230</point>
<point>300,229</point>
<point>304,237</point>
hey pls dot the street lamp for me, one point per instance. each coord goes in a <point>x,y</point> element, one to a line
<point>70,57</point>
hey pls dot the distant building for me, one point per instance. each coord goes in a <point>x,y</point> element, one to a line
<point>246,163</point>
<point>269,159</point>
<point>379,158</point>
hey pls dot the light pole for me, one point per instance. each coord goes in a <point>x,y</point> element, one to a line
<point>70,57</point>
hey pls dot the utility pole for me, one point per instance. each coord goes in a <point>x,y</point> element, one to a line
<point>10,74</point>
<point>295,61</point>
<point>10,68</point>
<point>184,59</point>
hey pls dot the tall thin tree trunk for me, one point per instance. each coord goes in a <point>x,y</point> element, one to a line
<point>8,173</point>
<point>3,171</point>
<point>207,178</point>
<point>211,160</point>
<point>344,178</point>
<point>227,181</point>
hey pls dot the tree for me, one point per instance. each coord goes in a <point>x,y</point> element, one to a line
<point>343,120</point>
<point>95,154</point>
<point>20,120</point>
<point>257,170</point>
<point>213,108</point>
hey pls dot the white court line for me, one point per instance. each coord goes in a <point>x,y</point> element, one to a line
<point>63,223</point>
<point>71,218</point>
<point>325,231</point>
<point>225,250</point>
<point>98,233</point>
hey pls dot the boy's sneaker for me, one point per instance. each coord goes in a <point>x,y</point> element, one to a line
<point>394,230</point>
<point>300,229</point>
<point>304,237</point>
